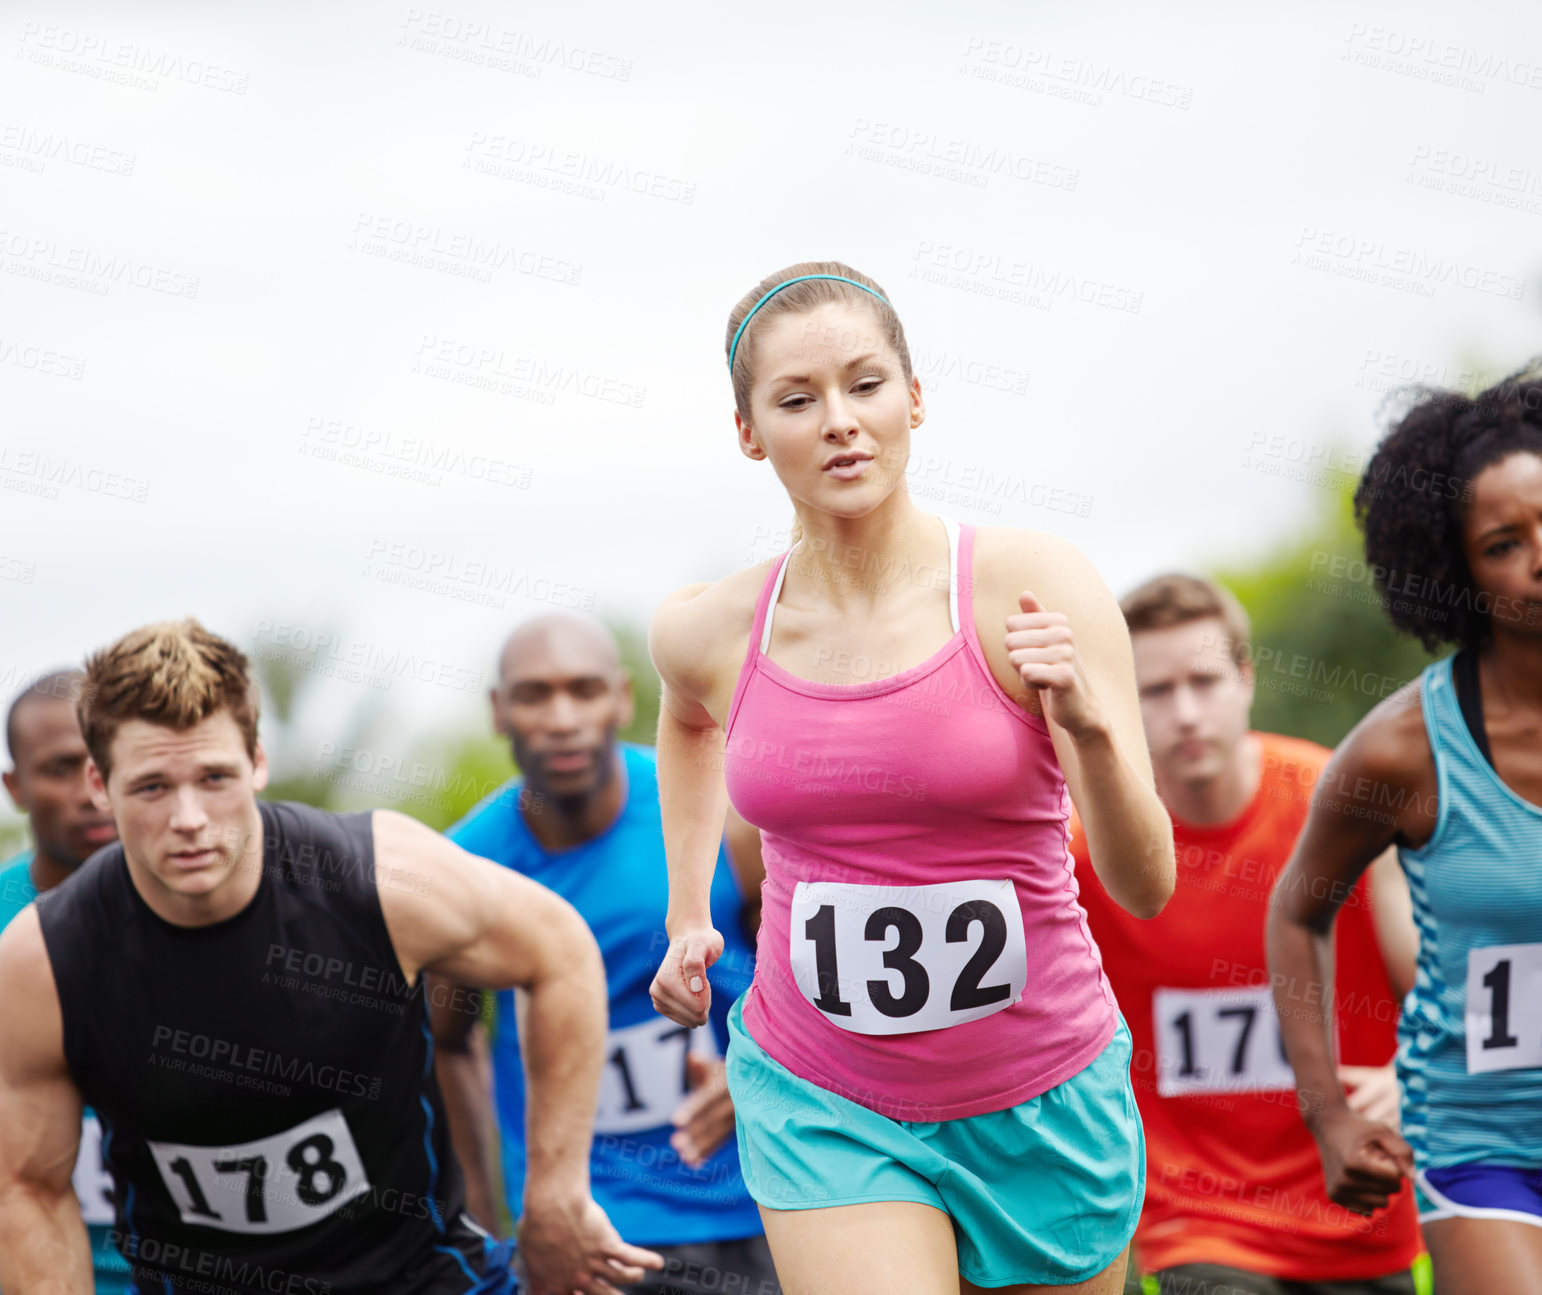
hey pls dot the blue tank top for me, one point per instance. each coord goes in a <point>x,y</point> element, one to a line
<point>1470,1037</point>
<point>619,883</point>
<point>93,1183</point>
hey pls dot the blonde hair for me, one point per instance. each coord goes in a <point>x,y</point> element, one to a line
<point>176,673</point>
<point>800,298</point>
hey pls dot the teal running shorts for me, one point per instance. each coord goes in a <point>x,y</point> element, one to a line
<point>1048,1191</point>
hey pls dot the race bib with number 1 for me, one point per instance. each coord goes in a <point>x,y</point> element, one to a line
<point>1504,1008</point>
<point>901,959</point>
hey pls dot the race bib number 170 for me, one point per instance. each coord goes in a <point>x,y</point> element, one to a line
<point>901,959</point>
<point>1218,1041</point>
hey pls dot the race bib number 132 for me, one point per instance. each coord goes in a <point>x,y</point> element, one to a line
<point>901,959</point>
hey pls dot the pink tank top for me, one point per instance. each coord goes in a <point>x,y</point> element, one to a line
<point>921,950</point>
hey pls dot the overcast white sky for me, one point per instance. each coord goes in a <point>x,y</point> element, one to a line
<point>1229,229</point>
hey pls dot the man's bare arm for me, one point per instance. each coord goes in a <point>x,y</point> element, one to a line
<point>44,1249</point>
<point>474,922</point>
<point>460,1066</point>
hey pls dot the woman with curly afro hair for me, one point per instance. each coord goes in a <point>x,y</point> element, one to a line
<point>1449,769</point>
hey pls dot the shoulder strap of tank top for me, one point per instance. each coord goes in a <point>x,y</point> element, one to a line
<point>955,564</point>
<point>1469,697</point>
<point>767,608</point>
<point>760,633</point>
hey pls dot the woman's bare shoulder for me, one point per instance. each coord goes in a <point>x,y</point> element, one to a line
<point>697,628</point>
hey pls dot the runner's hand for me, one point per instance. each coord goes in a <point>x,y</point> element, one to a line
<point>1043,652</point>
<point>1373,1092</point>
<point>570,1246</point>
<point>705,1119</point>
<point>681,991</point>
<point>1363,1161</point>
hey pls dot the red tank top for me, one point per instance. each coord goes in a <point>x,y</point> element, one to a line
<point>1234,1175</point>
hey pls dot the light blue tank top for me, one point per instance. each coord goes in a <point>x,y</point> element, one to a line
<point>1470,1038</point>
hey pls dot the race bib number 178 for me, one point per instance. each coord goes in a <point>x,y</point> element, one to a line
<point>274,1184</point>
<point>901,959</point>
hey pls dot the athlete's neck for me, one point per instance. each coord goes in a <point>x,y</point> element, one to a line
<point>1222,798</point>
<point>1510,673</point>
<point>46,870</point>
<point>562,822</point>
<point>854,562</point>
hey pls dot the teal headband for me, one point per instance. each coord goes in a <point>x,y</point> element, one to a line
<point>739,332</point>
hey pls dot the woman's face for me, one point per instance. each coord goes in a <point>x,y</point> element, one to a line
<point>1502,537</point>
<point>830,408</point>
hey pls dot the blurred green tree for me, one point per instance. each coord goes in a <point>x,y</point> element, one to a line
<point>1324,652</point>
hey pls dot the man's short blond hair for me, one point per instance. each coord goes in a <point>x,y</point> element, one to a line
<point>176,673</point>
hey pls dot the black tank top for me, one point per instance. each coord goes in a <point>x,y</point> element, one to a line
<point>265,1084</point>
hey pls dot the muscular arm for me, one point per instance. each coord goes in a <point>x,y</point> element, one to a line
<point>460,1066</point>
<point>479,924</point>
<point>44,1249</point>
<point>1108,767</point>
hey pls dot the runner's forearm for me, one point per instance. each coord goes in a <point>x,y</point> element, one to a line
<point>562,1039</point>
<point>1301,970</point>
<point>1129,834</point>
<point>44,1248</point>
<point>693,803</point>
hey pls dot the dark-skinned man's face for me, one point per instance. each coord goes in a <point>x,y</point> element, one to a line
<point>48,783</point>
<point>561,701</point>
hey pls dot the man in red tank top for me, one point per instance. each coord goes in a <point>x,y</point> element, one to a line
<point>1235,1200</point>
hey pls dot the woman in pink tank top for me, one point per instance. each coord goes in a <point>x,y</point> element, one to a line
<point>929,1071</point>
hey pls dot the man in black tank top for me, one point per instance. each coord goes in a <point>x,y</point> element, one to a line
<point>236,988</point>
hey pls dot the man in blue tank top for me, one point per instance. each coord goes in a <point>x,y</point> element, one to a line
<point>47,782</point>
<point>584,822</point>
